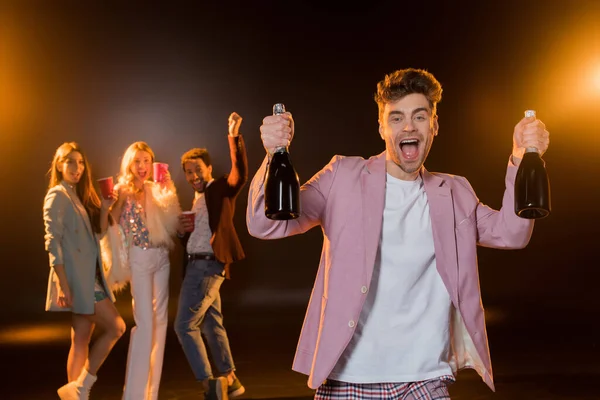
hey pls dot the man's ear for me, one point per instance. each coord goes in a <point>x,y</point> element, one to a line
<point>381,131</point>
<point>436,126</point>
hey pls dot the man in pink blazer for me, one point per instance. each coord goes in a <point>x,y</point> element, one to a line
<point>396,308</point>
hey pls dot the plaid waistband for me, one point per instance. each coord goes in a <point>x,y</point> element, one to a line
<point>433,389</point>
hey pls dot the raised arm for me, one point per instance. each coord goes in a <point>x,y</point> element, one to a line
<point>503,228</point>
<point>238,175</point>
<point>105,213</point>
<point>121,194</point>
<point>277,131</point>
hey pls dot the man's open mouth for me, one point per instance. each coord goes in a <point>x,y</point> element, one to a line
<point>198,185</point>
<point>409,148</point>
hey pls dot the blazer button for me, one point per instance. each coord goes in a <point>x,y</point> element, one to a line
<point>363,289</point>
<point>351,324</point>
<point>79,250</point>
<point>76,230</point>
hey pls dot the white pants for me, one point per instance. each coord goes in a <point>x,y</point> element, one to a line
<point>150,298</point>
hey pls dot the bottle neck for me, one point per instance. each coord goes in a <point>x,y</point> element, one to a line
<point>281,150</point>
<point>531,150</point>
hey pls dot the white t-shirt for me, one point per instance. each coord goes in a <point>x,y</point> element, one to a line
<point>199,241</point>
<point>403,330</point>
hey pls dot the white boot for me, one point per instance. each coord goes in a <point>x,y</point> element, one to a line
<point>69,391</point>
<point>85,383</point>
<point>78,389</point>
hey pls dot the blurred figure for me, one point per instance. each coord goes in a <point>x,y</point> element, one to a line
<point>148,213</point>
<point>211,244</point>
<point>396,306</point>
<point>74,217</point>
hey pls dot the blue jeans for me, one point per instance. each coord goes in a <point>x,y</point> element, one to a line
<point>199,313</point>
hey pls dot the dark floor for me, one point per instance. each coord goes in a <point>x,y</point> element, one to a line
<point>535,357</point>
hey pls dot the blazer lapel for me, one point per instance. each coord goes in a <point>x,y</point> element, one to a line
<point>441,211</point>
<point>79,209</point>
<point>373,201</point>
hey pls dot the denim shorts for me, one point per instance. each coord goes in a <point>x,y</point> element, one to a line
<point>99,292</point>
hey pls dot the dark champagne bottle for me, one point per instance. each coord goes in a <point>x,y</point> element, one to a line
<point>532,187</point>
<point>282,187</point>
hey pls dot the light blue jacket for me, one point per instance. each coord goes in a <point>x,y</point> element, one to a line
<point>70,241</point>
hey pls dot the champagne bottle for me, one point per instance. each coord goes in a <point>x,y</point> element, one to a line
<point>532,187</point>
<point>282,187</point>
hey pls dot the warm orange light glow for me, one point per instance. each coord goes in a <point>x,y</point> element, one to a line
<point>494,316</point>
<point>596,77</point>
<point>14,94</point>
<point>35,334</point>
<point>590,79</point>
<point>566,81</point>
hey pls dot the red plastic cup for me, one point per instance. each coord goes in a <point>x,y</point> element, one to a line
<point>106,187</point>
<point>191,217</point>
<point>160,171</point>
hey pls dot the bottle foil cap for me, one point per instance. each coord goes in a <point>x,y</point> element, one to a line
<point>529,113</point>
<point>278,109</point>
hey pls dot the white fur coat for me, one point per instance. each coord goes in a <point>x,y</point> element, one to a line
<point>162,214</point>
<point>115,258</point>
<point>162,211</point>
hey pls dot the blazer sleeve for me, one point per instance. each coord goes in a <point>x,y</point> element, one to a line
<point>55,205</point>
<point>502,228</point>
<point>238,175</point>
<point>313,203</point>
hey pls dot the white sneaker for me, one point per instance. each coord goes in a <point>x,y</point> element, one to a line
<point>72,391</point>
<point>69,391</point>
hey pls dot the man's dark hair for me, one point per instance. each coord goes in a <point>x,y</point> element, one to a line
<point>407,81</point>
<point>194,154</point>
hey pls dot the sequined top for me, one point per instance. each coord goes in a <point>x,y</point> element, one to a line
<point>133,223</point>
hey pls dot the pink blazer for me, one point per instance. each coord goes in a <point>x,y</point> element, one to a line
<point>346,199</point>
